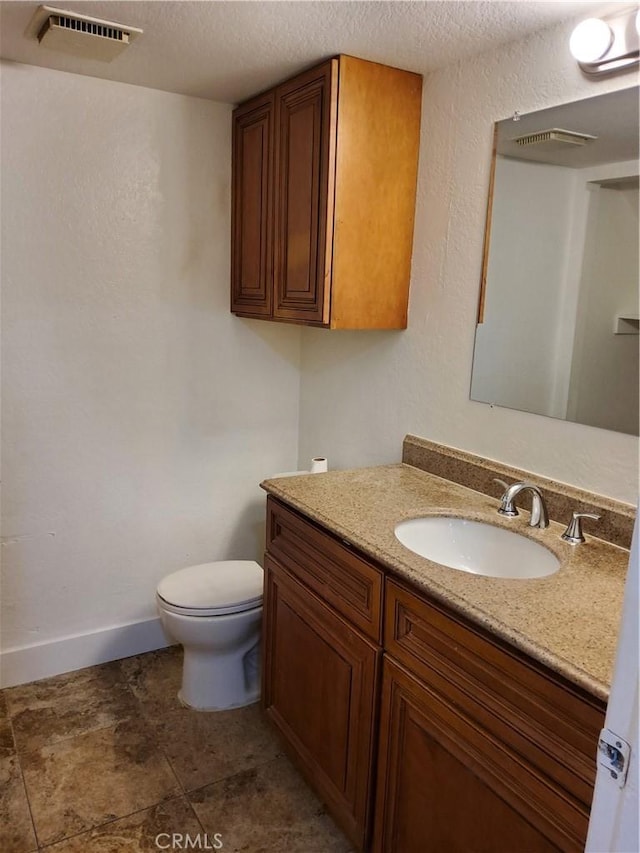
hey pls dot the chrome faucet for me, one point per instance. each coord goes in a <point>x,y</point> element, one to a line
<point>539,517</point>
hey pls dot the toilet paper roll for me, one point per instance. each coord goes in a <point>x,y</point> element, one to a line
<point>319,465</point>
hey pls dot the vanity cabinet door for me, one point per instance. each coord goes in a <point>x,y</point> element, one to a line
<point>251,215</point>
<point>319,689</point>
<point>441,787</point>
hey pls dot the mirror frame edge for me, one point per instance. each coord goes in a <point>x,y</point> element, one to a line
<point>487,227</point>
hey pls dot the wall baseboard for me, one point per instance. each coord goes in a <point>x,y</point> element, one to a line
<point>30,663</point>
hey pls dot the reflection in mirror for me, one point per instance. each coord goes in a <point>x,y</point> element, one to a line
<point>558,327</point>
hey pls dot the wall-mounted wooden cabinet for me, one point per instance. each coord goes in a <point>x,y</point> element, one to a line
<point>324,184</point>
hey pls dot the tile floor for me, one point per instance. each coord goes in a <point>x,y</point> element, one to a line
<point>106,760</point>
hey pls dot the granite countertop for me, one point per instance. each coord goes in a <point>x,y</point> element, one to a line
<point>569,621</point>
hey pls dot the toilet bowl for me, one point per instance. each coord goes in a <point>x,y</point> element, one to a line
<point>214,610</point>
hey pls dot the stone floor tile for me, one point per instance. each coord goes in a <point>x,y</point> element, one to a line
<point>203,747</point>
<point>82,782</point>
<point>269,809</point>
<point>45,712</point>
<point>155,678</point>
<point>91,747</point>
<point>16,828</point>
<point>7,745</point>
<point>149,830</point>
<point>206,747</point>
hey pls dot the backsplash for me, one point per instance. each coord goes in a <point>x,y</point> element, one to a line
<point>476,472</point>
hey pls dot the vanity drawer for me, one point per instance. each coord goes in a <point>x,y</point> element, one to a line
<point>350,584</point>
<point>552,725</point>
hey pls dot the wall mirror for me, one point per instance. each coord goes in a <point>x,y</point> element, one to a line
<point>558,323</point>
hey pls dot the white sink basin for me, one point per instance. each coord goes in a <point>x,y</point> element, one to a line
<point>476,547</point>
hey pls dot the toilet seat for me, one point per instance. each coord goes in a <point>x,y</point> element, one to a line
<point>213,589</point>
<point>207,611</point>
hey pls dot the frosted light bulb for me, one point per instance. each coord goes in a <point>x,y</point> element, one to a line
<point>590,40</point>
<point>638,22</point>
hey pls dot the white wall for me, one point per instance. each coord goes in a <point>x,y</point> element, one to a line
<point>382,385</point>
<point>604,379</point>
<point>139,415</point>
<point>515,356</point>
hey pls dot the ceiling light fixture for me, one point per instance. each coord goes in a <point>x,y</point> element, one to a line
<point>603,45</point>
<point>591,40</point>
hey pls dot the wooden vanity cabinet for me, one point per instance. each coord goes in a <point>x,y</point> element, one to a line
<point>473,745</point>
<point>321,671</point>
<point>480,749</point>
<point>324,183</point>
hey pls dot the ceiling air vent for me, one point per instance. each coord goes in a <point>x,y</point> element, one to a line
<point>555,134</point>
<point>81,35</point>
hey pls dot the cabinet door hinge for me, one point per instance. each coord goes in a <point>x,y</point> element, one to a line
<point>613,754</point>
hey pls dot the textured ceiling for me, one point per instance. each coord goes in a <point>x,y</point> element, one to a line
<point>229,50</point>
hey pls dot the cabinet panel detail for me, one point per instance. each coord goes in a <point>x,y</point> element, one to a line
<point>304,133</point>
<point>341,577</point>
<point>303,709</point>
<point>535,715</point>
<point>319,690</point>
<point>251,252</point>
<point>300,208</point>
<point>444,784</point>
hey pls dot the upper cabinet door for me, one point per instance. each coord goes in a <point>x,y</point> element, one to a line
<point>306,113</point>
<point>251,232</point>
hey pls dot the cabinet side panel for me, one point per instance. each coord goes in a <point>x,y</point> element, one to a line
<point>376,173</point>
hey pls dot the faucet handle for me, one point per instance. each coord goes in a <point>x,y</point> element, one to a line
<point>502,483</point>
<point>573,533</point>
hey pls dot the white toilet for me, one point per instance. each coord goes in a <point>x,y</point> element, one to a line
<point>214,611</point>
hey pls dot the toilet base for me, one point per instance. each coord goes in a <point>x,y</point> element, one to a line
<point>221,665</point>
<point>251,699</point>
<point>220,682</point>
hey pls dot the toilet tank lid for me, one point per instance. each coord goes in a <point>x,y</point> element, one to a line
<point>214,585</point>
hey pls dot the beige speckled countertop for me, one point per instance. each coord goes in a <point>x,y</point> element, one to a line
<point>569,621</point>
